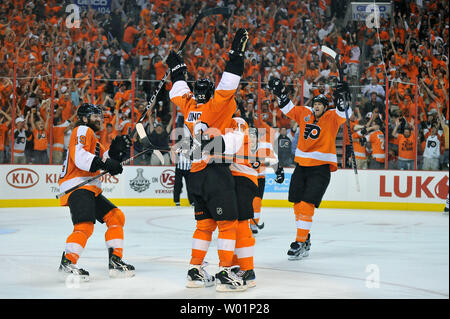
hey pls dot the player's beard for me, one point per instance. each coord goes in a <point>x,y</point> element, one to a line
<point>95,125</point>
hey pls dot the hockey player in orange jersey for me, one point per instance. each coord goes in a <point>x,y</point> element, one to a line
<point>246,183</point>
<point>266,137</point>
<point>315,157</point>
<point>211,183</point>
<point>85,157</point>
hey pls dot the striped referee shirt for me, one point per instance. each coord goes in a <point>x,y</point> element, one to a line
<point>183,162</point>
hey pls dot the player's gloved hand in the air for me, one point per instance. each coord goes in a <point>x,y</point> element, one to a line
<point>120,148</point>
<point>280,175</point>
<point>341,91</point>
<point>279,90</point>
<point>239,43</point>
<point>177,66</point>
<point>235,64</point>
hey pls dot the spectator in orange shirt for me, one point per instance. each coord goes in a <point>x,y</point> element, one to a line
<point>5,121</point>
<point>406,146</point>
<point>129,35</point>
<point>40,130</point>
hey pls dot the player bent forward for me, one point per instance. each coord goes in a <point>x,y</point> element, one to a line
<point>85,157</point>
<point>315,157</point>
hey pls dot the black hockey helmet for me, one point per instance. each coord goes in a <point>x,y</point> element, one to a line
<point>321,99</point>
<point>87,109</point>
<point>203,90</point>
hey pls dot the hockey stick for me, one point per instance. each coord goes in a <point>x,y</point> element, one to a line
<point>143,135</point>
<point>226,12</point>
<point>99,175</point>
<point>336,56</point>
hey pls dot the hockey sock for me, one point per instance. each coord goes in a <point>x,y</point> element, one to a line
<point>76,241</point>
<point>245,244</point>
<point>201,240</point>
<point>115,220</point>
<point>226,241</point>
<point>303,218</point>
<point>256,209</point>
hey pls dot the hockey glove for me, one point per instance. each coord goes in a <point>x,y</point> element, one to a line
<point>177,67</point>
<point>112,166</point>
<point>120,148</point>
<point>239,43</point>
<point>280,175</point>
<point>342,90</point>
<point>280,91</point>
<point>235,64</point>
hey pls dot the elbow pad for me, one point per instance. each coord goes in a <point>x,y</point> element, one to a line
<point>235,65</point>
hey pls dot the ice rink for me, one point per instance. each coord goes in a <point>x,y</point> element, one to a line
<point>354,254</point>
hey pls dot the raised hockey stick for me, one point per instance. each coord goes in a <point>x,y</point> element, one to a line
<point>143,135</point>
<point>226,12</point>
<point>335,57</point>
<point>93,178</point>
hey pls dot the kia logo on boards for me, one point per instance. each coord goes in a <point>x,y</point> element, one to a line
<point>22,178</point>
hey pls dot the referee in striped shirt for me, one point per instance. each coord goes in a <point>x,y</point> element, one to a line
<point>182,169</point>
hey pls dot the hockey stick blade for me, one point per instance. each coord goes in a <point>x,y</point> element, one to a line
<point>328,51</point>
<point>224,11</point>
<point>143,136</point>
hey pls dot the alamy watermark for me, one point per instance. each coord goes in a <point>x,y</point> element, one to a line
<point>73,19</point>
<point>373,279</point>
<point>373,16</point>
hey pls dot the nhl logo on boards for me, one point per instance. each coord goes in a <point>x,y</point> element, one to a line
<point>139,183</point>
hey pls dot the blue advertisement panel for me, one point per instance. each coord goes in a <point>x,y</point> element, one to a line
<point>102,6</point>
<point>274,187</point>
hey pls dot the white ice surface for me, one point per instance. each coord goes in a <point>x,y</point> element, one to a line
<point>407,251</point>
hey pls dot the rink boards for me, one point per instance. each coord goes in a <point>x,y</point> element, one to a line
<point>37,185</point>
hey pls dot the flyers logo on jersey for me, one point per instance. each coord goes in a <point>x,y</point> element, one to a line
<point>193,116</point>
<point>311,131</point>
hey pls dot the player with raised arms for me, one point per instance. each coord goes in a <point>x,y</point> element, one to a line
<point>315,156</point>
<point>208,113</point>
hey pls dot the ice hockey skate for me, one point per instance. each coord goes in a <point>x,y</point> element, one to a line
<point>227,280</point>
<point>247,275</point>
<point>67,268</point>
<point>198,277</point>
<point>118,268</point>
<point>299,250</point>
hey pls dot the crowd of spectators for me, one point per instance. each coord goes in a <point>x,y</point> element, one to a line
<point>116,60</point>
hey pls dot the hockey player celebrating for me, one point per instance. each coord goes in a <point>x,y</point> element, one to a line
<point>85,157</point>
<point>246,185</point>
<point>265,135</point>
<point>315,157</point>
<point>211,183</point>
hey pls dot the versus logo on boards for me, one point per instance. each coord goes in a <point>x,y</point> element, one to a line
<point>22,178</point>
<point>167,178</point>
<point>417,186</point>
